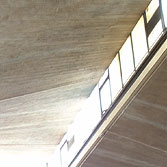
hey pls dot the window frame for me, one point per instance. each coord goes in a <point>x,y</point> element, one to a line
<point>100,88</point>
<point>137,62</point>
<point>153,22</point>
<point>61,156</point>
<point>121,62</point>
<point>121,80</point>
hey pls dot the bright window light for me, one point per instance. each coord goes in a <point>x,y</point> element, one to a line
<point>115,77</point>
<point>155,34</point>
<point>55,160</point>
<point>151,9</point>
<point>91,112</point>
<point>79,126</point>
<point>126,57</point>
<point>22,160</point>
<point>139,41</point>
<point>64,155</point>
<point>93,109</point>
<point>105,95</point>
<point>103,78</point>
<point>164,9</point>
<point>85,122</point>
<point>76,128</point>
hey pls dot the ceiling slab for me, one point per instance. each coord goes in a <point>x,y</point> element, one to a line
<point>52,54</point>
<point>47,44</point>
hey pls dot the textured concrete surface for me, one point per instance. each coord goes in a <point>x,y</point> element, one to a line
<point>51,55</point>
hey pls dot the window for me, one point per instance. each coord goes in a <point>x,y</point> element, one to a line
<point>93,108</point>
<point>164,9</point>
<point>155,34</point>
<point>85,122</point>
<point>103,78</point>
<point>127,62</point>
<point>56,159</point>
<point>64,154</point>
<point>91,112</point>
<point>105,96</point>
<point>115,77</point>
<point>151,9</point>
<point>78,126</point>
<point>139,41</point>
<point>70,141</point>
<point>154,26</point>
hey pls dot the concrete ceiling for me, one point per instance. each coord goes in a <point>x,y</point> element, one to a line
<point>52,53</point>
<point>139,137</point>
